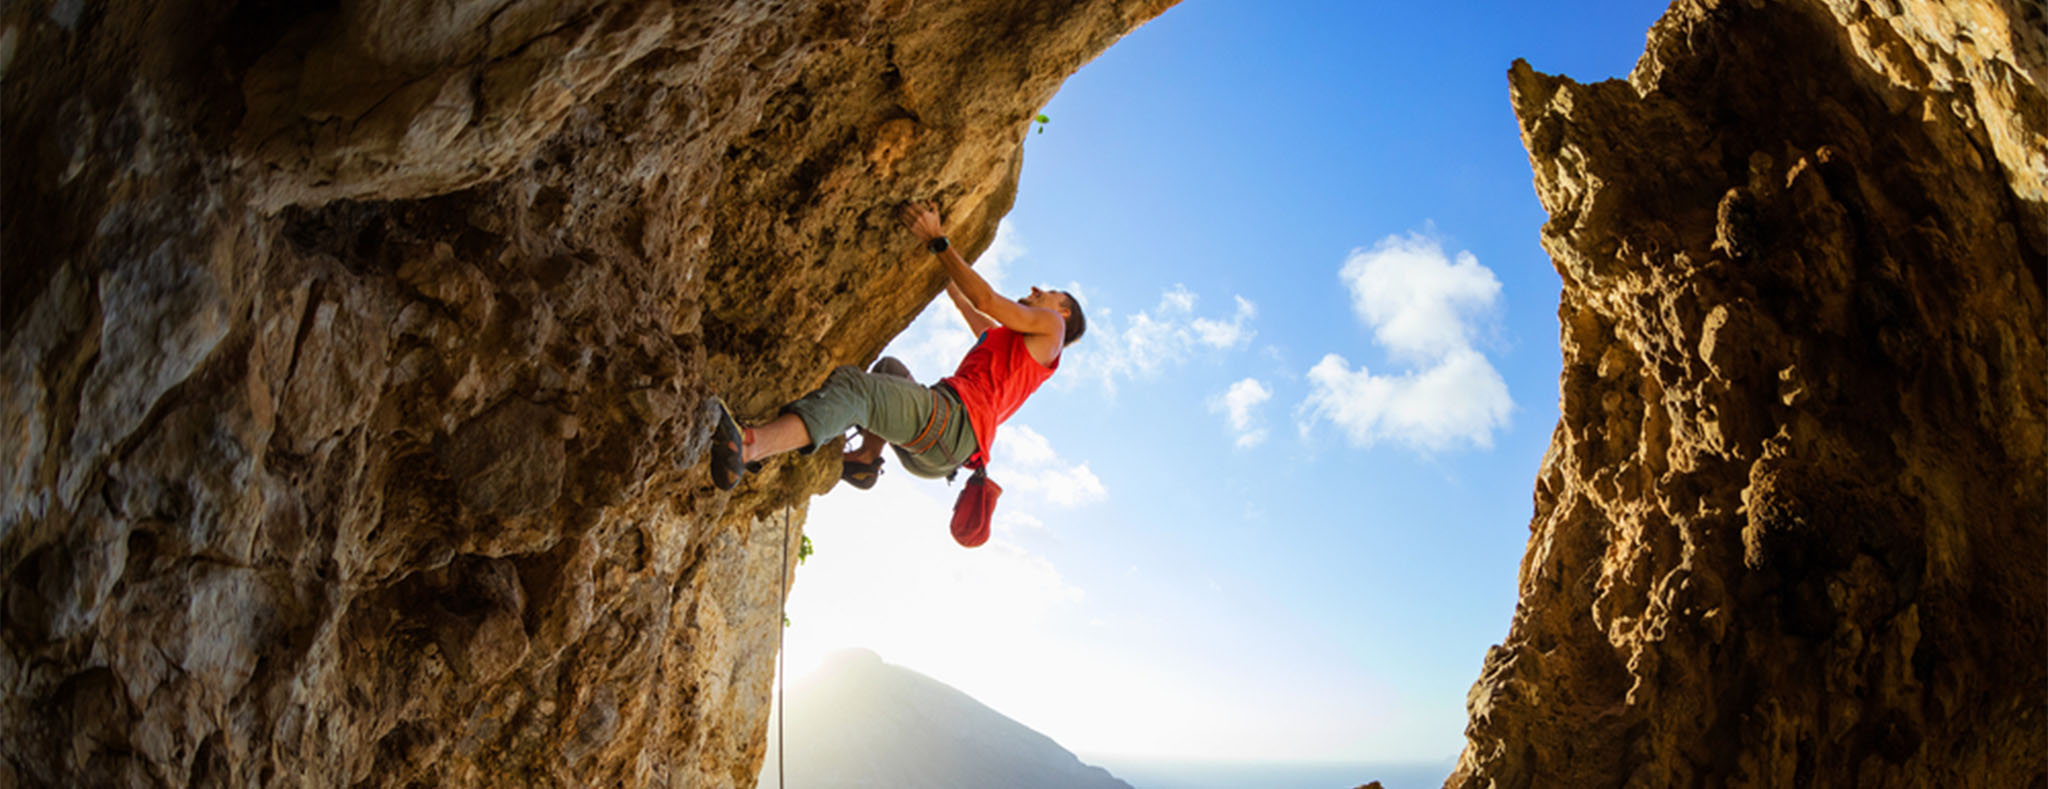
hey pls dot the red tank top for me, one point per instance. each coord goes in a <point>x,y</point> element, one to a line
<point>994,379</point>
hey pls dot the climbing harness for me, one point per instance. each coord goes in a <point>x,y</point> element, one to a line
<point>935,425</point>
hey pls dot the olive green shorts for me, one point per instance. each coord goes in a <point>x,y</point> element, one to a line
<point>906,414</point>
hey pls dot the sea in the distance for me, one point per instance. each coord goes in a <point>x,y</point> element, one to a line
<point>1156,774</point>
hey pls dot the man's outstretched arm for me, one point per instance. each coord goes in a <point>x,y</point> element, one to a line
<point>977,321</point>
<point>924,221</point>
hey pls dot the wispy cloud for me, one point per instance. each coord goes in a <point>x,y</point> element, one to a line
<point>1227,334</point>
<point>1238,404</point>
<point>1030,466</point>
<point>1424,308</point>
<point>1150,341</point>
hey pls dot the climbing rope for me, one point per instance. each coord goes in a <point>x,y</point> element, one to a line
<point>781,661</point>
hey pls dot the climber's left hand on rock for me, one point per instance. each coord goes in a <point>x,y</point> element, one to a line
<point>922,219</point>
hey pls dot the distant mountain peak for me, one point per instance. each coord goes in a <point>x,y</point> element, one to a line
<point>860,721</point>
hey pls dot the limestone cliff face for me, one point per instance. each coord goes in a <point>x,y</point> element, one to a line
<point>351,400</point>
<point>1791,530</point>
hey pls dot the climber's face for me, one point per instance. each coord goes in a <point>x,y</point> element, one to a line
<point>1045,300</point>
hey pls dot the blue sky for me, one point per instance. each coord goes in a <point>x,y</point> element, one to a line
<point>1273,505</point>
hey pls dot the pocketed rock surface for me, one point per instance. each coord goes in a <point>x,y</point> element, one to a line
<point>1791,529</point>
<point>352,400</point>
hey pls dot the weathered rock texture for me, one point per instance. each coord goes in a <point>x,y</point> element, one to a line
<point>351,401</point>
<point>1791,530</point>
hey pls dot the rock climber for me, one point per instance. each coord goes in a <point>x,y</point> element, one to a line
<point>934,429</point>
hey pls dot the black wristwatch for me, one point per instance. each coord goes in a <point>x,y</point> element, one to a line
<point>938,245</point>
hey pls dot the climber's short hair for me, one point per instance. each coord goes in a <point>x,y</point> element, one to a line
<point>1076,324</point>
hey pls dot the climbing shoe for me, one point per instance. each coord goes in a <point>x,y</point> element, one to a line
<point>860,475</point>
<point>727,463</point>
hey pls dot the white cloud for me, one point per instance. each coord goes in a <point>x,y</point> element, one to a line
<point>1238,404</point>
<point>1180,299</point>
<point>1460,399</point>
<point>1012,522</point>
<point>1024,463</point>
<point>1219,334</point>
<point>1418,302</point>
<point>1150,341</point>
<point>1071,487</point>
<point>1423,309</point>
<point>1025,448</point>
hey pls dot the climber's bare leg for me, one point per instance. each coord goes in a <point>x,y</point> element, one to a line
<point>779,435</point>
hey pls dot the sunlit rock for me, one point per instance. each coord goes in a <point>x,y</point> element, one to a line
<point>356,354</point>
<point>1792,529</point>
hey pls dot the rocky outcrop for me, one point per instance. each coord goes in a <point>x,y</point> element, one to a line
<point>356,354</point>
<point>1791,530</point>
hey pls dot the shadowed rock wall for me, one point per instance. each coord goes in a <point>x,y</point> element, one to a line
<point>355,354</point>
<point>1791,530</point>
